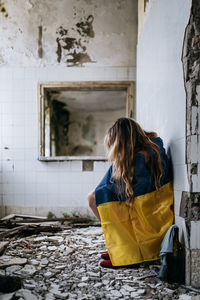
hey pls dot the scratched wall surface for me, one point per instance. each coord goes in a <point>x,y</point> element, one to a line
<point>68,32</point>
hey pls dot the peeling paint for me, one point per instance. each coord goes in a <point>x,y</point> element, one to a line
<point>82,30</point>
<point>85,28</point>
<point>195,276</point>
<point>191,70</point>
<point>190,201</point>
<point>190,207</point>
<point>194,169</point>
<point>75,47</point>
<point>78,59</point>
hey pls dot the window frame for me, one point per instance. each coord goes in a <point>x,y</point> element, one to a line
<point>127,86</point>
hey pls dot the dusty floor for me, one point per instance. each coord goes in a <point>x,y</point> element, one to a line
<point>65,265</point>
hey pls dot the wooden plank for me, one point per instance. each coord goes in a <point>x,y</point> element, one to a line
<point>13,216</point>
<point>80,220</point>
<point>3,246</point>
<point>82,225</point>
<point>12,231</point>
<point>8,217</point>
<point>37,224</point>
<point>30,216</point>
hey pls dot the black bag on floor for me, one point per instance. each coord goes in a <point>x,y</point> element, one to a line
<point>172,257</point>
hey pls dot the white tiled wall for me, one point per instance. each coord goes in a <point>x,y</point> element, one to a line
<point>26,184</point>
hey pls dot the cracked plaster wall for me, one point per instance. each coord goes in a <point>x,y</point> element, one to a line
<point>54,40</point>
<point>190,203</point>
<point>43,33</point>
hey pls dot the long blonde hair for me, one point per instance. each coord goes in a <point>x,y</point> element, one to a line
<point>122,141</point>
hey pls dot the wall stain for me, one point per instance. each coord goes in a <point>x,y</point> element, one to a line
<point>85,28</point>
<point>69,43</point>
<point>78,58</point>
<point>3,9</point>
<point>59,50</point>
<point>73,46</point>
<point>88,130</point>
<point>40,50</point>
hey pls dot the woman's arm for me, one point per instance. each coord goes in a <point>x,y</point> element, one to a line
<point>92,204</point>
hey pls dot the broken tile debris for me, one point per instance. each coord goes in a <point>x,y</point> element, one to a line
<point>65,265</point>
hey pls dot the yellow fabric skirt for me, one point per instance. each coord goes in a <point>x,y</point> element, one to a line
<point>134,233</point>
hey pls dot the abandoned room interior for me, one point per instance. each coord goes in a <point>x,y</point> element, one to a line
<point>68,70</point>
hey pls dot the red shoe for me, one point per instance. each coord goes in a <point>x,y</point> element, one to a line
<point>105,256</point>
<point>107,264</point>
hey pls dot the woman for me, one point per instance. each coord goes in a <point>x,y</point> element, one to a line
<point>134,199</point>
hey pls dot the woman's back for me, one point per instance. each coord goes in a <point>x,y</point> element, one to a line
<point>134,199</point>
<point>142,183</point>
<point>134,230</point>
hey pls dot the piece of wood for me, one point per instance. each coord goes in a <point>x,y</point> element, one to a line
<point>12,231</point>
<point>190,288</point>
<point>30,229</point>
<point>12,218</point>
<point>29,216</point>
<point>82,225</point>
<point>145,276</point>
<point>79,220</point>
<point>3,229</point>
<point>35,224</point>
<point>8,217</point>
<point>3,246</point>
<point>40,229</point>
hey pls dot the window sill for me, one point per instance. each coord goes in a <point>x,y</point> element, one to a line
<point>72,158</point>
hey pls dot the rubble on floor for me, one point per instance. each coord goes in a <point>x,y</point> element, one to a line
<point>65,265</point>
<point>24,224</point>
